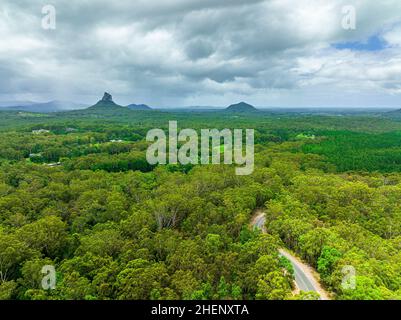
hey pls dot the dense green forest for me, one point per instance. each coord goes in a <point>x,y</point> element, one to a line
<point>76,192</point>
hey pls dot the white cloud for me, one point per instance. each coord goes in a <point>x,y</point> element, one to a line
<point>393,36</point>
<point>272,52</point>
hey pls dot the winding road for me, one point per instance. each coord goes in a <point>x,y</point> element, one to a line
<point>305,280</point>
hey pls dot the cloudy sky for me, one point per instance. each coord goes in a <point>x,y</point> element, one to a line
<point>285,53</point>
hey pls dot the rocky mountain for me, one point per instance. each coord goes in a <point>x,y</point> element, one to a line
<point>107,97</point>
<point>106,103</point>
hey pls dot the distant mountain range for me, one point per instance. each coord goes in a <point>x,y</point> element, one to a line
<point>107,103</point>
<point>238,107</point>
<point>139,107</point>
<point>396,112</point>
<point>5,104</point>
<point>52,106</point>
<point>59,106</point>
<point>241,107</point>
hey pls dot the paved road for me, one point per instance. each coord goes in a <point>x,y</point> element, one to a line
<point>304,278</point>
<point>260,222</point>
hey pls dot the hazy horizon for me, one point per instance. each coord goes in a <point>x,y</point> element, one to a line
<point>11,104</point>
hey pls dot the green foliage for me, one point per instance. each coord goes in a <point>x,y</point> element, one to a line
<point>7,290</point>
<point>141,279</point>
<point>115,227</point>
<point>327,260</point>
<point>272,286</point>
<point>287,265</point>
<point>310,295</point>
<point>360,151</point>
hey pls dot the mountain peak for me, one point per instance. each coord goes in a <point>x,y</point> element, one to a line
<point>241,107</point>
<point>106,102</point>
<point>139,107</point>
<point>107,97</point>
